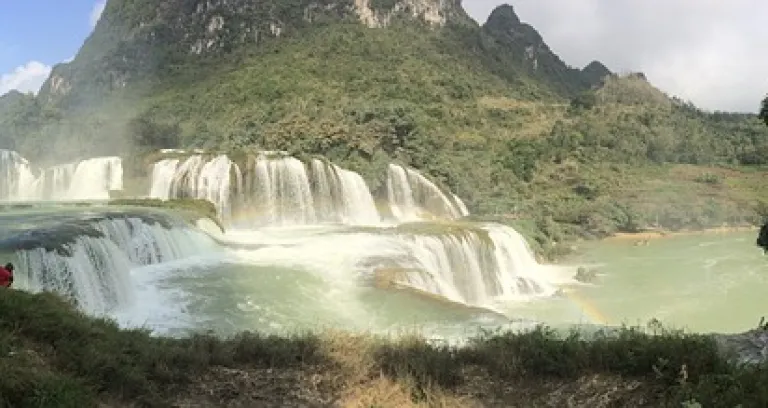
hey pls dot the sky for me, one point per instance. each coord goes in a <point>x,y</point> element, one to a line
<point>711,52</point>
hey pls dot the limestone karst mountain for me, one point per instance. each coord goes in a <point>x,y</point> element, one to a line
<point>488,110</point>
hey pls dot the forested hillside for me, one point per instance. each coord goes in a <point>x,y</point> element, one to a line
<point>487,110</point>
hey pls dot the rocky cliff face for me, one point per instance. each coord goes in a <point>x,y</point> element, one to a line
<point>595,73</point>
<point>136,38</point>
<point>533,55</point>
<point>379,13</point>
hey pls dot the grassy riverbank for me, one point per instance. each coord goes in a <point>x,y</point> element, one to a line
<point>191,209</point>
<point>51,355</point>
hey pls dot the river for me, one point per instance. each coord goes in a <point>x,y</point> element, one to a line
<point>707,282</point>
<point>309,246</point>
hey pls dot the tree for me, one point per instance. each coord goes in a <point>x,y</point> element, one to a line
<point>149,133</point>
<point>764,110</point>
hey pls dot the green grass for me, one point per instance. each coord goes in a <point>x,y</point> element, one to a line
<point>455,103</point>
<point>193,209</point>
<point>52,355</point>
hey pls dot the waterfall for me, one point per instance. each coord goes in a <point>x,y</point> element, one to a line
<point>341,195</point>
<point>269,189</point>
<point>93,179</point>
<point>96,274</point>
<point>194,178</point>
<point>94,268</point>
<point>162,178</point>
<point>90,179</point>
<point>279,191</point>
<point>463,210</point>
<point>476,266</point>
<point>54,183</point>
<point>413,197</point>
<point>15,175</point>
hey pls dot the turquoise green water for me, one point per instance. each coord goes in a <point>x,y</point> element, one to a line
<point>703,283</point>
<point>706,282</point>
<point>700,283</point>
<point>229,298</point>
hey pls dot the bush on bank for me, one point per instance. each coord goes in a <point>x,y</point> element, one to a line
<point>53,355</point>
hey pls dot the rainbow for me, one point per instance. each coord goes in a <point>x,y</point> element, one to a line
<point>587,308</point>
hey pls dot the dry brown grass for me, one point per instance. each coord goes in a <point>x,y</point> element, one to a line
<point>52,356</point>
<point>360,382</point>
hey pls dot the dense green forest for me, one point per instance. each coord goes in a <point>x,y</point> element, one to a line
<point>486,110</point>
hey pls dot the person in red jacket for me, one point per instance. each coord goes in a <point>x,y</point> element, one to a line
<point>6,275</point>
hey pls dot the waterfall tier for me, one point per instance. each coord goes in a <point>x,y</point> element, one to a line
<point>88,257</point>
<point>276,189</point>
<point>269,189</point>
<point>90,179</point>
<point>469,264</point>
<point>413,197</point>
<point>15,175</point>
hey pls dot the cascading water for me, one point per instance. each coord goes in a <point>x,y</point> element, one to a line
<point>54,183</point>
<point>93,179</point>
<point>93,267</point>
<point>162,178</point>
<point>15,175</point>
<point>342,195</point>
<point>278,191</point>
<point>90,179</point>
<point>102,264</point>
<point>194,178</point>
<point>95,273</point>
<point>413,197</point>
<point>269,190</point>
<point>477,266</point>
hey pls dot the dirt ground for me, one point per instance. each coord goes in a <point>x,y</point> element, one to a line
<point>243,388</point>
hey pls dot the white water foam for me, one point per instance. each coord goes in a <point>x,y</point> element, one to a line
<point>95,270</point>
<point>413,197</point>
<point>95,178</point>
<point>333,257</point>
<point>292,203</point>
<point>90,179</point>
<point>467,267</point>
<point>15,175</point>
<point>270,190</point>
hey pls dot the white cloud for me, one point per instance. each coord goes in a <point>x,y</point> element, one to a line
<point>98,8</point>
<point>26,78</point>
<point>707,51</point>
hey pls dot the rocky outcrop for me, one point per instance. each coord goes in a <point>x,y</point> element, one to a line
<point>134,40</point>
<point>762,238</point>
<point>595,72</point>
<point>746,348</point>
<point>379,13</point>
<point>526,48</point>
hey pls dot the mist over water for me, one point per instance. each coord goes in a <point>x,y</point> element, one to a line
<point>90,179</point>
<point>308,245</point>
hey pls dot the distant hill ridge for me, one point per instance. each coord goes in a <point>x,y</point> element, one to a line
<point>488,110</point>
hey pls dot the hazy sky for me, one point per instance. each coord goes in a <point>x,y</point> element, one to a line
<point>712,52</point>
<point>35,34</point>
